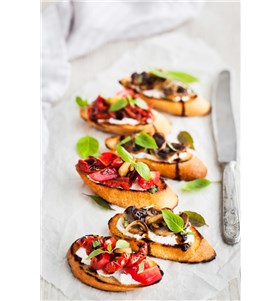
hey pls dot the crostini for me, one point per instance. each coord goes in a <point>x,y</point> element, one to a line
<point>148,224</point>
<point>119,183</point>
<point>112,265</point>
<point>165,94</point>
<point>172,160</point>
<point>123,114</point>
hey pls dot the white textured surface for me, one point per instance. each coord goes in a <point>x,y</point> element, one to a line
<point>88,67</point>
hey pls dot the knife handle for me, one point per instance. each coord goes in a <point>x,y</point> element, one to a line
<point>231,222</point>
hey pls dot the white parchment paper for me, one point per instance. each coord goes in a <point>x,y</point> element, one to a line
<point>67,214</point>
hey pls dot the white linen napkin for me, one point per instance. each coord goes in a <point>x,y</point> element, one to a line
<point>73,29</point>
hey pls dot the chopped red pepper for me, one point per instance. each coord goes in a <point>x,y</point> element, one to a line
<point>107,158</point>
<point>122,182</point>
<point>105,174</point>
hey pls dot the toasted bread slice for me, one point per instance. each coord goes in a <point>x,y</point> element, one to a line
<point>199,251</point>
<point>190,169</point>
<point>160,122</point>
<point>164,197</point>
<point>91,278</point>
<point>196,106</point>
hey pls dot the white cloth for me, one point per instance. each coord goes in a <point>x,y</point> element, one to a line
<point>68,215</point>
<point>73,29</point>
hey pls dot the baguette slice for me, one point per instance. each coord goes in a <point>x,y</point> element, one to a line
<point>187,170</point>
<point>199,251</point>
<point>164,197</point>
<point>91,278</point>
<point>160,122</point>
<point>196,106</point>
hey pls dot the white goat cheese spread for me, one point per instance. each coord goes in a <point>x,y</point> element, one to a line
<point>181,156</point>
<point>154,93</point>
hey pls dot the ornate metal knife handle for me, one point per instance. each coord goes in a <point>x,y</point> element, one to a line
<point>231,223</point>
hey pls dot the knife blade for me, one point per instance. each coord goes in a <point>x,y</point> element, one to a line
<point>226,141</point>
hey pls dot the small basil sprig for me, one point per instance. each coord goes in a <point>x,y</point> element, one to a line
<point>120,244</point>
<point>145,140</point>
<point>118,105</point>
<point>87,146</point>
<point>173,221</point>
<point>123,102</point>
<point>125,140</point>
<point>99,201</point>
<point>185,138</point>
<point>196,184</point>
<point>81,102</point>
<point>140,167</point>
<point>175,75</point>
<point>196,219</point>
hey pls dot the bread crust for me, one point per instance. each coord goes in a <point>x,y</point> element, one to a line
<point>160,123</point>
<point>199,251</point>
<point>196,106</point>
<point>164,197</point>
<point>91,278</point>
<point>190,169</point>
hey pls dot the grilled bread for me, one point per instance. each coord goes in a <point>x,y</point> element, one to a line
<point>198,251</point>
<point>190,168</point>
<point>160,122</point>
<point>194,106</point>
<point>163,197</point>
<point>90,277</point>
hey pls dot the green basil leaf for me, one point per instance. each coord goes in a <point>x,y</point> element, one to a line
<point>153,190</point>
<point>95,253</point>
<point>131,101</point>
<point>140,267</point>
<point>186,138</point>
<point>145,140</point>
<point>87,146</point>
<point>124,154</point>
<point>175,75</point>
<point>122,244</point>
<point>118,105</point>
<point>125,221</point>
<point>125,140</point>
<point>143,170</point>
<point>80,102</point>
<point>100,201</point>
<point>109,248</point>
<point>173,221</point>
<point>196,184</point>
<point>141,104</point>
<point>95,243</point>
<point>196,219</point>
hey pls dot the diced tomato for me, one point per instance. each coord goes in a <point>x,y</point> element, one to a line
<point>150,275</point>
<point>99,261</point>
<point>105,174</point>
<point>82,165</point>
<point>122,182</point>
<point>86,242</point>
<point>125,92</point>
<point>155,176</point>
<point>107,158</point>
<point>109,241</point>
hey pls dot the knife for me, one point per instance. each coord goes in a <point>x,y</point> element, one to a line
<point>225,138</point>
